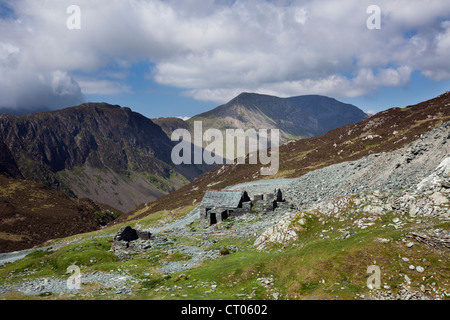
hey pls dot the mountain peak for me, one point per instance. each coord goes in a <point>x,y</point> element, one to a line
<point>247,97</point>
<point>296,117</point>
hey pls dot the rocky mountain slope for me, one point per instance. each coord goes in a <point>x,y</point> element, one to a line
<point>107,153</point>
<point>295,117</point>
<point>413,182</point>
<point>168,125</point>
<point>386,131</point>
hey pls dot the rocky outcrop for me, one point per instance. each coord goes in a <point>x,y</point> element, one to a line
<point>283,232</point>
<point>437,180</point>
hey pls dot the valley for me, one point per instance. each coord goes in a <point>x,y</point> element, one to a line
<point>224,158</point>
<point>388,210</point>
<point>109,154</point>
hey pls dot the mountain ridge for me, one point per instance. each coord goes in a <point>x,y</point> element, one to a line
<point>96,150</point>
<point>299,116</point>
<point>295,117</point>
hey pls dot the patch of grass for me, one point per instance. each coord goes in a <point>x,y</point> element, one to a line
<point>87,254</point>
<point>176,256</point>
<point>444,225</point>
<point>152,283</point>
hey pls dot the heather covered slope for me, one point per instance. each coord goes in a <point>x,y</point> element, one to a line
<point>31,213</point>
<point>107,153</point>
<point>386,131</point>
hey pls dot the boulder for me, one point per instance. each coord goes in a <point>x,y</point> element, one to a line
<point>126,234</point>
<point>144,235</point>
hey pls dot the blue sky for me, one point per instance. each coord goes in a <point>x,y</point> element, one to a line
<point>152,99</point>
<point>419,89</point>
<point>180,58</point>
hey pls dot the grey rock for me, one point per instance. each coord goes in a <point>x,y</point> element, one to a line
<point>410,244</point>
<point>126,234</point>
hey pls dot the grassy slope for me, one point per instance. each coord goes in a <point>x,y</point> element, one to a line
<point>312,267</point>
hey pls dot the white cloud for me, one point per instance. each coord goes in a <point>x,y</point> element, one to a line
<point>103,87</point>
<point>216,49</point>
<point>366,81</point>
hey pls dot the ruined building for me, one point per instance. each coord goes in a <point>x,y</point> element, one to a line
<point>217,206</point>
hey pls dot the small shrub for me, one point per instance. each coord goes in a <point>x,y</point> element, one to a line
<point>105,216</point>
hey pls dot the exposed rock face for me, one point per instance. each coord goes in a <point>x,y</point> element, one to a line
<point>437,179</point>
<point>282,232</point>
<point>8,166</point>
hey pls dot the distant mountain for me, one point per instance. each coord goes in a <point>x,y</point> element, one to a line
<point>330,113</point>
<point>383,132</point>
<point>23,111</point>
<point>296,117</point>
<point>96,150</point>
<point>168,125</point>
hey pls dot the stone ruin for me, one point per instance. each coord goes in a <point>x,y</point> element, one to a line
<point>266,202</point>
<point>217,206</point>
<point>128,241</point>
